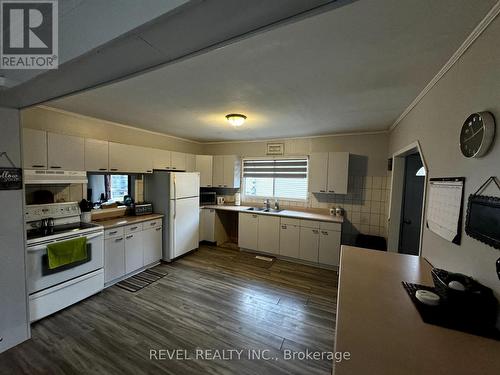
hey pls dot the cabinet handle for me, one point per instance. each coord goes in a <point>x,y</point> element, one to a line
<point>315,231</point>
<point>38,166</point>
<point>113,169</point>
<point>119,239</point>
<point>133,228</point>
<point>129,237</point>
<point>103,169</point>
<point>152,224</point>
<point>331,191</point>
<point>225,185</point>
<point>254,216</point>
<point>220,185</point>
<point>55,167</point>
<point>324,232</point>
<point>283,227</point>
<point>209,185</point>
<point>158,229</point>
<point>113,232</point>
<point>149,171</point>
<point>174,167</point>
<point>322,191</point>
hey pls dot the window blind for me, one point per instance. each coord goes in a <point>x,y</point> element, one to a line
<point>279,168</point>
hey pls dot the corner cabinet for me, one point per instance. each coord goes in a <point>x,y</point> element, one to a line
<point>226,171</point>
<point>335,180</point>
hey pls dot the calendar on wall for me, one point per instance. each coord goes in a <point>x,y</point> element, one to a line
<point>444,210</point>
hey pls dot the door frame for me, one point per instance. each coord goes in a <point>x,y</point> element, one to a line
<point>396,196</point>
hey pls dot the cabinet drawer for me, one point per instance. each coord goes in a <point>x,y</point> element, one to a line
<point>326,225</point>
<point>309,224</point>
<point>152,224</point>
<point>133,228</point>
<point>113,232</point>
<point>289,221</point>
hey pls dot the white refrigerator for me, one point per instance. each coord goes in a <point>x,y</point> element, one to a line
<point>176,195</point>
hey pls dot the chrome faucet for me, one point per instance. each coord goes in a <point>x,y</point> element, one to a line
<point>267,203</point>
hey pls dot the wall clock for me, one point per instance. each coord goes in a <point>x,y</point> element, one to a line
<point>477,134</point>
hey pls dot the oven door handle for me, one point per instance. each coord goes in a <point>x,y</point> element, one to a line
<point>42,247</point>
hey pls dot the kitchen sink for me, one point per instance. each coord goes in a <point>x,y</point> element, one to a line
<point>261,209</point>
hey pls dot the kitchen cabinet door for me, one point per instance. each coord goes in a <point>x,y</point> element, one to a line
<point>34,149</point>
<point>268,238</point>
<point>318,167</point>
<point>231,174</point>
<point>309,244</point>
<point>190,163</point>
<point>114,258</point>
<point>152,245</point>
<point>338,172</point>
<point>204,165</point>
<point>178,161</point>
<point>144,158</point>
<point>134,252</point>
<point>65,152</point>
<point>161,159</point>
<point>207,224</point>
<point>289,240</point>
<point>218,171</point>
<point>96,155</point>
<point>248,227</point>
<point>329,247</point>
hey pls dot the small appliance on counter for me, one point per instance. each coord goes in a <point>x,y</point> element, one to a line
<point>220,200</point>
<point>208,198</point>
<point>143,209</point>
<point>237,199</point>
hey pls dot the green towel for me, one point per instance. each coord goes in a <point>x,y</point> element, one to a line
<point>67,252</point>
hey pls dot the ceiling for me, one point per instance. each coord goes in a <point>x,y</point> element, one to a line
<point>352,69</point>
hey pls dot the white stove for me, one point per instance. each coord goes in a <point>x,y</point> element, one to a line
<point>51,290</point>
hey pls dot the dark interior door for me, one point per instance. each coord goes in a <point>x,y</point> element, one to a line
<point>411,215</point>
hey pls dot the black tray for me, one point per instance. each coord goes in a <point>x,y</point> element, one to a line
<point>444,316</point>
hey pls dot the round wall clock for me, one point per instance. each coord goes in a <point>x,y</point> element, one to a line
<point>477,134</point>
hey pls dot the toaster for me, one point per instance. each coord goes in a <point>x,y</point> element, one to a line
<point>143,209</point>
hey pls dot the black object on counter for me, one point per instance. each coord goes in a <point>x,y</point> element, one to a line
<point>85,205</point>
<point>371,242</point>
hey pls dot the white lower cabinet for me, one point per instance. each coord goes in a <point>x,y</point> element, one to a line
<point>114,258</point>
<point>134,252</point>
<point>152,245</point>
<point>248,227</point>
<point>329,247</point>
<point>309,244</point>
<point>289,240</point>
<point>268,234</point>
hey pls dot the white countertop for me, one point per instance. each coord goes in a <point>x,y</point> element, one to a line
<point>303,215</point>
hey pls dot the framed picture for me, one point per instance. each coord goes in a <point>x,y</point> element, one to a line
<point>275,148</point>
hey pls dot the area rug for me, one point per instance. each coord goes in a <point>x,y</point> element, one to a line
<point>141,280</point>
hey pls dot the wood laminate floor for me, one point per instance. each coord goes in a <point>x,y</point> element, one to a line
<point>208,301</point>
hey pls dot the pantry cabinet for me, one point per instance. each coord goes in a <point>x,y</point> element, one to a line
<point>96,155</point>
<point>329,172</point>
<point>226,171</point>
<point>65,152</point>
<point>34,149</point>
<point>248,228</point>
<point>204,165</point>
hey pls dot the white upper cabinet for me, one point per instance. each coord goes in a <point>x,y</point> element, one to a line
<point>318,167</point>
<point>178,161</point>
<point>161,159</point>
<point>190,163</point>
<point>130,159</point>
<point>204,165</point>
<point>96,155</point>
<point>328,172</point>
<point>34,149</point>
<point>226,171</point>
<point>338,172</point>
<point>65,152</point>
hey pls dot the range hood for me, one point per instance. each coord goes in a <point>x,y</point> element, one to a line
<point>36,177</point>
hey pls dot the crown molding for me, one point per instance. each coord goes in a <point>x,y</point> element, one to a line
<point>478,30</point>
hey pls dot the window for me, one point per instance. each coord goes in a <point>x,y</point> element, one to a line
<point>118,187</point>
<point>275,178</point>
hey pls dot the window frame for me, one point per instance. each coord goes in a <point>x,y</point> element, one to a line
<point>270,157</point>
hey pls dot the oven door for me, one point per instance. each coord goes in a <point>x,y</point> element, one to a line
<point>39,277</point>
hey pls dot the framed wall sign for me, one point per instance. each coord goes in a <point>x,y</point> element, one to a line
<point>11,178</point>
<point>275,148</point>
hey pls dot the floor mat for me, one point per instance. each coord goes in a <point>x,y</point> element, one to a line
<point>257,260</point>
<point>141,280</point>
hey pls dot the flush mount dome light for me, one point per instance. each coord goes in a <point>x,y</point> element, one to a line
<point>236,119</point>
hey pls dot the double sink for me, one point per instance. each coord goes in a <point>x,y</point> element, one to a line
<point>262,209</point>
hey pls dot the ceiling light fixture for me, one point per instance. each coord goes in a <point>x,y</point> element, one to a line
<point>236,119</point>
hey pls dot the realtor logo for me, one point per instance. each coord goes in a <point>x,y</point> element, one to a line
<point>29,37</point>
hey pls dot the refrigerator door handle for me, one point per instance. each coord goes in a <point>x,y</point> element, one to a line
<point>175,197</point>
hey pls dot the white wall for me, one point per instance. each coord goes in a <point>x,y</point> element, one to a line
<point>472,85</point>
<point>14,326</point>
